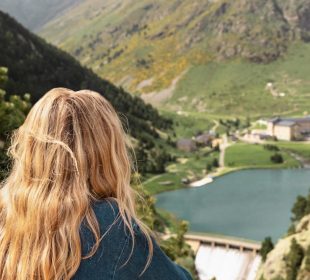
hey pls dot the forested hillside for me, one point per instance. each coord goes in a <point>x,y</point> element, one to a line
<point>35,67</point>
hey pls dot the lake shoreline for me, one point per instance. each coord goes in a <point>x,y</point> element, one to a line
<point>245,204</point>
<point>227,171</point>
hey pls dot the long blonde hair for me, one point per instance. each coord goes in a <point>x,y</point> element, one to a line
<point>70,151</point>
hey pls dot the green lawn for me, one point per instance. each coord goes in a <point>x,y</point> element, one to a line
<point>302,149</point>
<point>250,155</point>
<point>192,167</point>
<point>237,156</point>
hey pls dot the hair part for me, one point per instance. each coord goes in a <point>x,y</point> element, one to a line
<point>71,150</point>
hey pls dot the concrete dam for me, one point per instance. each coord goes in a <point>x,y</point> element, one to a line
<point>224,258</point>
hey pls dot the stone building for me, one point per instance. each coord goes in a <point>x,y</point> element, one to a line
<point>289,128</point>
<point>205,139</point>
<point>186,145</point>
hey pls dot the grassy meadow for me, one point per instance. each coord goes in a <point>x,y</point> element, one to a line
<point>239,87</point>
<point>299,148</point>
<point>243,155</point>
<point>192,166</point>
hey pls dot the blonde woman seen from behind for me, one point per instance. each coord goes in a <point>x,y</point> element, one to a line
<point>67,210</point>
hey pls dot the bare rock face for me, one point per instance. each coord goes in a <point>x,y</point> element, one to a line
<point>255,30</point>
<point>258,30</point>
<point>303,13</point>
<point>275,265</point>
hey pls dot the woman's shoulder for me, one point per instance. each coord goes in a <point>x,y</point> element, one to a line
<point>111,227</point>
<point>112,239</point>
<point>107,210</point>
<point>107,214</point>
<point>107,207</point>
<point>119,256</point>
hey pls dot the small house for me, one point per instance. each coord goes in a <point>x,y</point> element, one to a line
<point>204,139</point>
<point>186,145</point>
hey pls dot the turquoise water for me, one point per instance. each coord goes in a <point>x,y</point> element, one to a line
<point>250,204</point>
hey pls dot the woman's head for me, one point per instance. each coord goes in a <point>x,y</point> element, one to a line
<point>69,136</point>
<point>70,151</point>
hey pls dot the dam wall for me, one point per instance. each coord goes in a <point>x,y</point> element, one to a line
<point>224,258</point>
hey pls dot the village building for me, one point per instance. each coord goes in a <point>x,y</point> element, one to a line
<point>289,128</point>
<point>186,145</point>
<point>217,142</point>
<point>205,138</point>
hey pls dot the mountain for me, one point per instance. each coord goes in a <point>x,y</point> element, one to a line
<point>216,57</point>
<point>35,13</point>
<point>35,67</point>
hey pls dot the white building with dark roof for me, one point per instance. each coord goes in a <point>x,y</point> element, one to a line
<point>289,128</point>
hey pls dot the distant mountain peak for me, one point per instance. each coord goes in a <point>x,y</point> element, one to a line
<point>35,13</point>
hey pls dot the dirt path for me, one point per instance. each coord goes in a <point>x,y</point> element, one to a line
<point>151,179</point>
<point>223,147</point>
<point>303,162</point>
<point>216,125</point>
<point>159,97</point>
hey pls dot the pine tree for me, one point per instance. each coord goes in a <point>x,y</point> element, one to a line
<point>267,246</point>
<point>293,260</point>
<point>12,115</point>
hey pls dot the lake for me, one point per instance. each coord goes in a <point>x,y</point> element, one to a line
<point>250,204</point>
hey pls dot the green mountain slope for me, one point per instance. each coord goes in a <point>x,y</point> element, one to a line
<point>211,56</point>
<point>35,67</point>
<point>241,87</point>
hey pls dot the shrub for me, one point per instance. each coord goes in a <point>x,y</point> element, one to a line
<point>277,158</point>
<point>271,147</point>
<point>215,163</point>
<point>291,230</point>
<point>209,167</point>
<point>299,208</point>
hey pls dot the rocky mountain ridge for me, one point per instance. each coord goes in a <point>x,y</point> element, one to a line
<point>145,46</point>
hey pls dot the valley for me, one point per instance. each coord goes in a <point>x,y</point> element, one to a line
<point>196,85</point>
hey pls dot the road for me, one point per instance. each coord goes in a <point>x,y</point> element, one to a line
<point>225,144</point>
